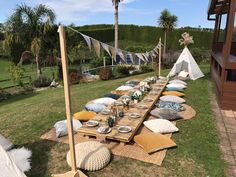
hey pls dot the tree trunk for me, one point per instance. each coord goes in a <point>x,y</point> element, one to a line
<point>164,48</point>
<point>39,71</point>
<point>116,27</point>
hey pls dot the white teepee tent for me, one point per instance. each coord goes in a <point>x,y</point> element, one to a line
<point>186,63</point>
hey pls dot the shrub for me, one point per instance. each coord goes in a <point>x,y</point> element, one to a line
<point>145,68</point>
<point>75,78</point>
<point>42,82</point>
<point>123,70</point>
<point>200,54</point>
<point>105,73</point>
<point>16,73</point>
<point>3,94</point>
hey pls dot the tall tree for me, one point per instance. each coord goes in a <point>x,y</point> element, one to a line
<point>167,22</point>
<point>34,23</point>
<point>116,5</point>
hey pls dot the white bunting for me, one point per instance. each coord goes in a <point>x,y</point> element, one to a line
<point>106,48</point>
<point>87,39</point>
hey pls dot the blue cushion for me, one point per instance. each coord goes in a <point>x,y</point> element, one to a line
<point>95,107</point>
<point>111,95</point>
<point>170,105</point>
<point>174,89</point>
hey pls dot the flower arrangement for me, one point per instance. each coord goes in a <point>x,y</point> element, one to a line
<point>136,95</point>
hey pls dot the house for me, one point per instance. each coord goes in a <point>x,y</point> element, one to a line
<point>223,57</point>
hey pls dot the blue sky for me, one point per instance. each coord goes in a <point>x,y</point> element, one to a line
<point>139,12</point>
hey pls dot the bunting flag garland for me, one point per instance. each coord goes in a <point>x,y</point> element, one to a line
<point>146,57</point>
<point>106,48</point>
<point>96,46</point>
<point>87,39</point>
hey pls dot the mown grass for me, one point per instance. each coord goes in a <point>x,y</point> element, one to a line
<point>25,118</point>
<point>29,70</point>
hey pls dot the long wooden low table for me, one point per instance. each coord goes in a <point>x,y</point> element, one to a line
<point>126,120</point>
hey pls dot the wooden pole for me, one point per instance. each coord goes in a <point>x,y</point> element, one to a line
<point>74,172</point>
<point>104,62</point>
<point>160,57</point>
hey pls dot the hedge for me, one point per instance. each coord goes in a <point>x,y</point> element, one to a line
<point>144,34</point>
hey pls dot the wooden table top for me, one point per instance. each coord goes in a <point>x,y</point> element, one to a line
<point>134,123</point>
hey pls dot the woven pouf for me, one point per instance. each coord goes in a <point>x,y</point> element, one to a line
<point>90,156</point>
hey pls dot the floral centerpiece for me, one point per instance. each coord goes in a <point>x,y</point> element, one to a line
<point>136,96</point>
<point>126,101</point>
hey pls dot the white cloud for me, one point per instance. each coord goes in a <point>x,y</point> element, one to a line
<point>69,11</point>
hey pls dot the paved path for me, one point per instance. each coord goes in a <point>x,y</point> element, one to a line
<point>226,124</point>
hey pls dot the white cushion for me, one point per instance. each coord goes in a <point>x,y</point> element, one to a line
<point>106,101</point>
<point>183,74</point>
<point>124,87</point>
<point>181,86</point>
<point>90,156</point>
<point>172,98</point>
<point>176,81</point>
<point>160,126</point>
<point>5,143</point>
<point>61,127</point>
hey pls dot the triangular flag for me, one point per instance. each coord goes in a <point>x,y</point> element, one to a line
<point>131,56</point>
<point>120,53</point>
<point>140,56</point>
<point>145,57</point>
<point>87,39</point>
<point>97,46</point>
<point>113,52</point>
<point>106,48</point>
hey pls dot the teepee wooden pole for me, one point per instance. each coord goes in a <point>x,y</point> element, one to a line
<point>159,56</point>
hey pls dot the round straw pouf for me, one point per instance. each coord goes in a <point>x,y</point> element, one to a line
<point>90,156</point>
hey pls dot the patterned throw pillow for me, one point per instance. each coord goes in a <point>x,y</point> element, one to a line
<point>174,89</point>
<point>174,93</point>
<point>176,81</point>
<point>124,87</point>
<point>96,107</point>
<point>181,86</point>
<point>165,113</point>
<point>106,101</point>
<point>84,115</point>
<point>133,82</point>
<point>111,95</point>
<point>160,126</point>
<point>171,98</point>
<point>170,105</point>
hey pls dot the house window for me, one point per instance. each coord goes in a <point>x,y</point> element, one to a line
<point>231,75</point>
<point>222,30</point>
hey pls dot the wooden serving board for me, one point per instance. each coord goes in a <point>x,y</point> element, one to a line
<point>126,120</point>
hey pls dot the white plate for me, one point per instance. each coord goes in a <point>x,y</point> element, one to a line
<point>134,115</point>
<point>92,123</point>
<point>153,93</point>
<point>124,129</point>
<point>142,106</point>
<point>102,130</point>
<point>148,100</point>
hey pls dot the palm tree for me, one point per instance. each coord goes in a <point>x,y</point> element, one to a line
<point>37,22</point>
<point>116,4</point>
<point>167,22</point>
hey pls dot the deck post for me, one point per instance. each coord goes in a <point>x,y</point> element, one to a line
<point>159,56</point>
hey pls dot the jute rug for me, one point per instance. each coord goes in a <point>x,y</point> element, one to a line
<point>131,150</point>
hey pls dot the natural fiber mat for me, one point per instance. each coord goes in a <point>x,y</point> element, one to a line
<point>131,150</point>
<point>189,112</point>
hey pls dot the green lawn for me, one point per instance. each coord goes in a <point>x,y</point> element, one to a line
<point>30,70</point>
<point>25,118</point>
